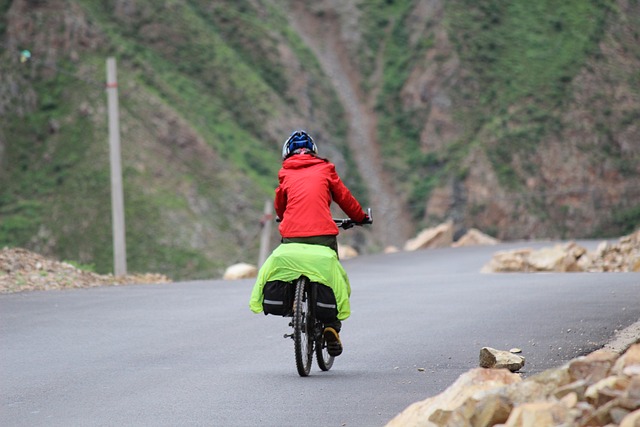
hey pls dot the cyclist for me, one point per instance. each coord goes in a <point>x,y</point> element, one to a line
<point>307,186</point>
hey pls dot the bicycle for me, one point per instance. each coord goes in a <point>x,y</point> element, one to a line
<point>308,337</point>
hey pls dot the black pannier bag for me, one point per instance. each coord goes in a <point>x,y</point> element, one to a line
<point>326,307</point>
<point>278,298</point>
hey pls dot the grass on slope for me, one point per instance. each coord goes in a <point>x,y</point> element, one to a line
<point>520,58</point>
<point>226,87</point>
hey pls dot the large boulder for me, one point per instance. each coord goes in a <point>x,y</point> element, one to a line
<point>436,237</point>
<point>457,402</point>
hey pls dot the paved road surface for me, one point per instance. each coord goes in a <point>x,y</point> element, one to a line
<point>192,354</point>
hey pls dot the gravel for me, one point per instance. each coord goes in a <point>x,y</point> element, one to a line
<point>22,270</point>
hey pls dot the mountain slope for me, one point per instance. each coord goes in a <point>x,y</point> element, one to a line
<point>521,119</point>
<point>201,130</point>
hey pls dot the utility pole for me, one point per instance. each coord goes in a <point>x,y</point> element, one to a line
<point>117,199</point>
<point>266,232</point>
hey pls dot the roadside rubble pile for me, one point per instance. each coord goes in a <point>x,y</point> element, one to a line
<point>600,389</point>
<point>21,270</point>
<point>623,256</point>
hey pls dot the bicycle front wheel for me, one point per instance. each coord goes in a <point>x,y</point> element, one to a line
<point>302,327</point>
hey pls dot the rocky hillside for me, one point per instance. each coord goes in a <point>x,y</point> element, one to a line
<point>521,121</point>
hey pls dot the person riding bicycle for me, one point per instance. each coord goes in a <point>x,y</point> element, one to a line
<point>307,186</point>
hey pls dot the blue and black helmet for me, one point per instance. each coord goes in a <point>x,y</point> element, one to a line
<point>298,140</point>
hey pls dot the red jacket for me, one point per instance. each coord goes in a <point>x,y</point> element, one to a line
<point>303,198</point>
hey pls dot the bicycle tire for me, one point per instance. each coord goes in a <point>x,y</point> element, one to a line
<point>324,359</point>
<point>302,327</point>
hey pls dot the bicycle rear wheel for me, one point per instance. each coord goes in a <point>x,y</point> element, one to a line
<point>325,361</point>
<point>302,327</point>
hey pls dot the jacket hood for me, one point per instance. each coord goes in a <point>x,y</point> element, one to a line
<point>299,161</point>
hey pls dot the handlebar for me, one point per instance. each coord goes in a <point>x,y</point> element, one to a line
<point>346,223</point>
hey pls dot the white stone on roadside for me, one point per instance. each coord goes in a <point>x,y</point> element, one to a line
<point>498,359</point>
<point>515,350</point>
<point>346,252</point>
<point>240,271</point>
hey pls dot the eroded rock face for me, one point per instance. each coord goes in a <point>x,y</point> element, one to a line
<point>601,389</point>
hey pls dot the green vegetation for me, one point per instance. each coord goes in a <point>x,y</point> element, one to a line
<point>4,7</point>
<point>205,73</point>
<point>208,91</point>
<point>521,57</point>
<point>387,31</point>
<point>624,221</point>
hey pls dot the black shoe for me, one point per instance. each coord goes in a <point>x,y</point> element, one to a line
<point>334,346</point>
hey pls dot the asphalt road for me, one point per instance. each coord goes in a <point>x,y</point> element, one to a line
<point>192,354</point>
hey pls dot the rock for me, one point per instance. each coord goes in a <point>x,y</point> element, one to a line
<point>631,357</point>
<point>631,420</point>
<point>600,389</point>
<point>623,256</point>
<point>456,400</point>
<point>508,261</point>
<point>436,237</point>
<point>578,388</point>
<point>593,367</point>
<point>346,252</point>
<point>556,258</point>
<point>22,270</point>
<point>492,410</point>
<point>606,390</point>
<point>240,271</point>
<point>474,237</point>
<point>539,414</point>
<point>391,250</point>
<point>498,359</point>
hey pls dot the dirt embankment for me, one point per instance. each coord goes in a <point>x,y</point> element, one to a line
<point>21,270</point>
